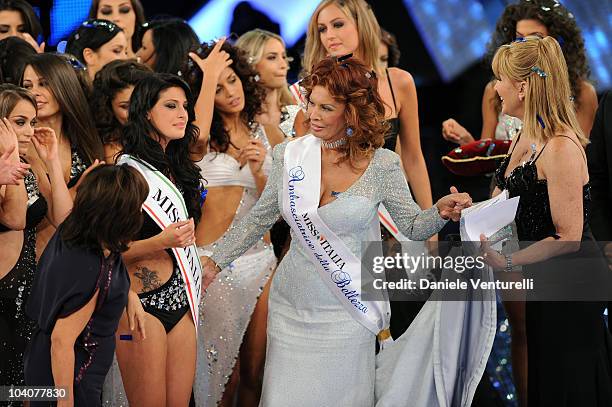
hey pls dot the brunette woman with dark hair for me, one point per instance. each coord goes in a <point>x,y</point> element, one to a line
<point>158,136</point>
<point>388,51</point>
<point>18,19</point>
<point>165,45</point>
<point>22,208</point>
<point>127,14</point>
<point>236,164</point>
<point>110,99</point>
<point>542,18</point>
<point>62,106</point>
<point>96,43</point>
<point>81,288</point>
<point>14,52</point>
<point>340,174</point>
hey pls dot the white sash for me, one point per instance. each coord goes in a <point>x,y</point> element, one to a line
<point>165,205</point>
<point>339,268</point>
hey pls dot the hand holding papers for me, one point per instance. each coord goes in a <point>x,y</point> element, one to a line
<point>488,217</point>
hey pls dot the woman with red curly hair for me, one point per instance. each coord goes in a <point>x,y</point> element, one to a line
<point>328,185</point>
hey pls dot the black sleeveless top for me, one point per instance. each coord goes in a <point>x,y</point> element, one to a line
<point>533,216</point>
<point>394,123</point>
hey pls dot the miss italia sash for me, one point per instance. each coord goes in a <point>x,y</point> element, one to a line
<point>165,205</point>
<point>339,268</point>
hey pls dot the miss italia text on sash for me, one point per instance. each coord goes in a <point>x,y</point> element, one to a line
<point>339,268</point>
<point>165,205</point>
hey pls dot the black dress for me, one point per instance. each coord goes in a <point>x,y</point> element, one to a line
<point>569,348</point>
<point>66,279</point>
<point>15,327</point>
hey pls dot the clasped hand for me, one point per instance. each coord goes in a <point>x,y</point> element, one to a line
<point>450,206</point>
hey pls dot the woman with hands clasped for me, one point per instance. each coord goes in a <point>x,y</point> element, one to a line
<point>328,185</point>
<point>236,164</point>
<point>22,207</point>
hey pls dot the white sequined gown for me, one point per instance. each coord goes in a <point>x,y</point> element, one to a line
<point>228,303</point>
<point>317,354</point>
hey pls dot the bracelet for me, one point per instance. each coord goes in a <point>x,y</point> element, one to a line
<point>508,262</point>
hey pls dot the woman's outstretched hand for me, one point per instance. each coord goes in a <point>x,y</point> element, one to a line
<point>450,206</point>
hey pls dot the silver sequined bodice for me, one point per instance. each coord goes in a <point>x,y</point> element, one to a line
<point>312,339</point>
<point>349,215</point>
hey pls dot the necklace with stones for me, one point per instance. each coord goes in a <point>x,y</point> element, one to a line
<point>334,144</point>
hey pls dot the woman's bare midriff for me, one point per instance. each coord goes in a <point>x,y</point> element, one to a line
<point>150,273</point>
<point>218,213</point>
<point>11,243</point>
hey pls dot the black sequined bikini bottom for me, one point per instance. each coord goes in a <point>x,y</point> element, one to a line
<point>168,303</point>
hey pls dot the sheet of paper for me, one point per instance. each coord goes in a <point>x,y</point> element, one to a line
<point>489,216</point>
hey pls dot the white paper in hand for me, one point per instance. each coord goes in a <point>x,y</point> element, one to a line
<point>488,217</point>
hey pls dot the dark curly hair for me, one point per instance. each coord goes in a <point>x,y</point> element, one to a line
<point>561,25</point>
<point>254,93</point>
<point>140,138</point>
<point>110,80</point>
<point>352,83</point>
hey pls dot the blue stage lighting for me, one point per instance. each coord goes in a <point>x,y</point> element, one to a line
<point>214,19</point>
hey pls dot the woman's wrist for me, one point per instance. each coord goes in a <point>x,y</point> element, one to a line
<point>437,206</point>
<point>54,167</point>
<point>214,265</point>
<point>259,173</point>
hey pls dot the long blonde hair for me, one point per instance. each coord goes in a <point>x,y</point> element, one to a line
<point>368,30</point>
<point>548,98</point>
<point>253,43</point>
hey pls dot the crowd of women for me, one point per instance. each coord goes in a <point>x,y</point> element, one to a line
<point>141,172</point>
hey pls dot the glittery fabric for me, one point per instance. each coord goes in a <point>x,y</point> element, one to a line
<point>227,305</point>
<point>569,348</point>
<point>288,120</point>
<point>225,313</point>
<point>533,216</point>
<point>312,340</point>
<point>170,297</point>
<point>113,392</point>
<point>15,327</point>
<point>507,127</point>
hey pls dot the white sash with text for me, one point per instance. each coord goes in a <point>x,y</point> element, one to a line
<point>339,268</point>
<point>165,205</point>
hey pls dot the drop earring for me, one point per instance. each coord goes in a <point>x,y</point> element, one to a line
<point>349,131</point>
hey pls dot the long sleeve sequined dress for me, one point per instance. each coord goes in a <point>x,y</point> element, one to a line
<point>317,354</point>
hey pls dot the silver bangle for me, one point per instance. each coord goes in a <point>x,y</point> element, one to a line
<point>508,262</point>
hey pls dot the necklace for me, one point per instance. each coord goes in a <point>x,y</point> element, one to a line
<point>334,144</point>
